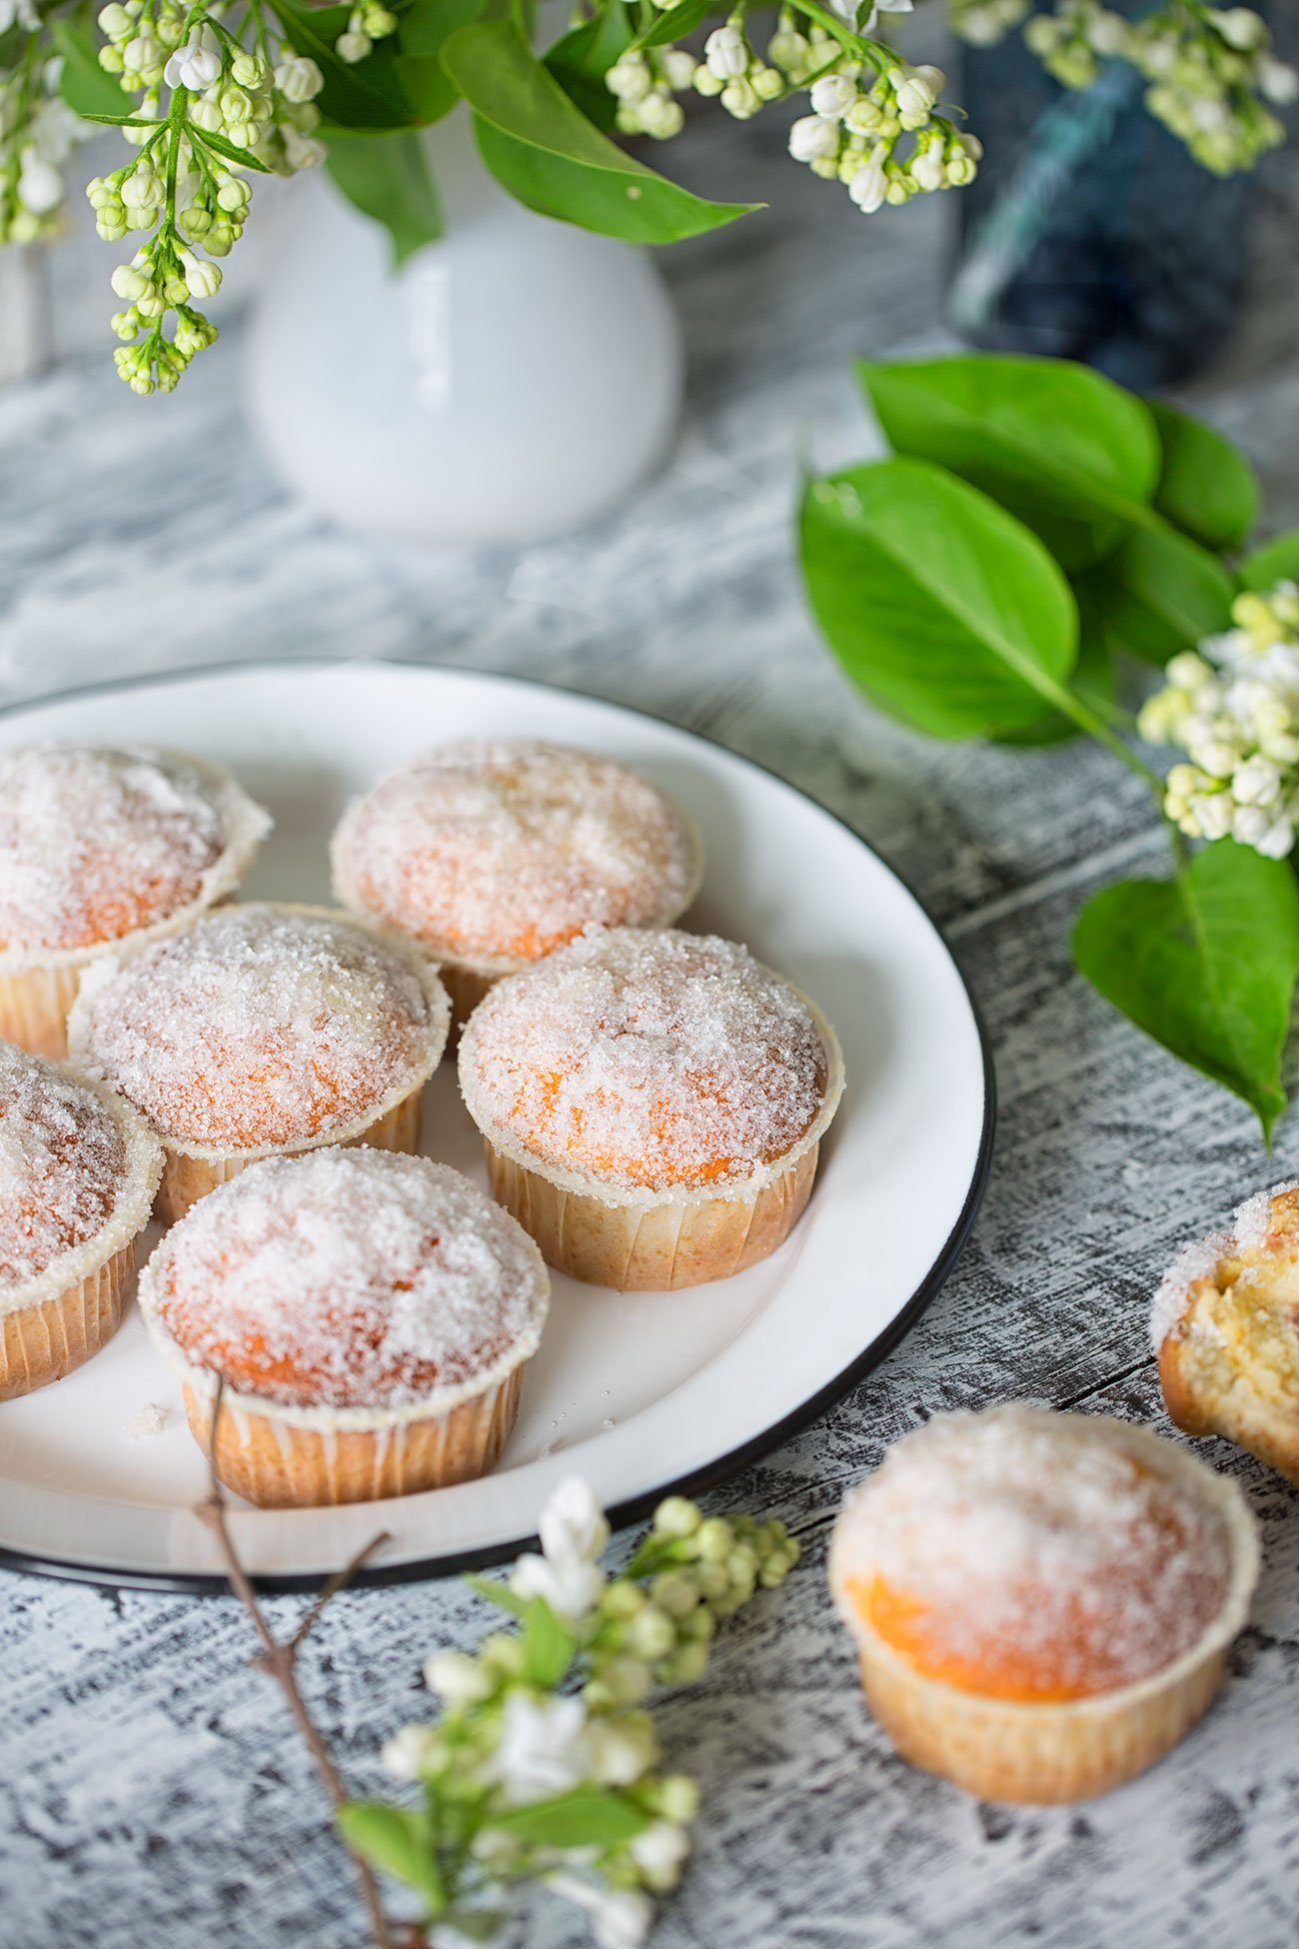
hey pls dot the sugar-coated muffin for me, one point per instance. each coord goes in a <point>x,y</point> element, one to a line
<point>652,1104</point>
<point>264,1029</point>
<point>78,1173</point>
<point>1042,1602</point>
<point>101,847</point>
<point>364,1316</point>
<point>491,854</point>
<point>1225,1327</point>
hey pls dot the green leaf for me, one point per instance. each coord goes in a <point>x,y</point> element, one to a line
<point>675,23</point>
<point>427,25</point>
<point>1206,486</point>
<point>219,144</point>
<point>585,1817</point>
<point>946,611</point>
<point>474,1924</point>
<point>1275,561</point>
<point>122,121</point>
<point>1205,963</point>
<point>1158,593</point>
<point>368,96</point>
<point>1068,451</point>
<point>499,1594</point>
<point>547,1645</point>
<point>1092,681</point>
<point>580,60</point>
<point>541,147</point>
<point>396,1840</point>
<point>83,84</point>
<point>389,180</point>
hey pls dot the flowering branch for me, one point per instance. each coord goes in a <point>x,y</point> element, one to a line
<point>280,1659</point>
<point>544,1764</point>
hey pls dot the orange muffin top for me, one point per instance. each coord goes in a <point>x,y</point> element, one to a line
<point>97,843</point>
<point>1027,1555</point>
<point>347,1279</point>
<point>504,850</point>
<point>651,1060</point>
<point>260,1026</point>
<point>63,1161</point>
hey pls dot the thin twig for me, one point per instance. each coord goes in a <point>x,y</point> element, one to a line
<point>280,1660</point>
<point>339,1581</point>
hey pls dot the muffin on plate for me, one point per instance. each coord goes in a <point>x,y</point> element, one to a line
<point>652,1105</point>
<point>359,1321</point>
<point>491,854</point>
<point>264,1030</point>
<point>1225,1328</point>
<point>100,848</point>
<point>1042,1603</point>
<point>78,1172</point>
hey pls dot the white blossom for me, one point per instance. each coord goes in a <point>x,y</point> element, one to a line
<point>660,1851</point>
<point>456,1678</point>
<point>620,1749</point>
<point>833,95</point>
<point>18,13</point>
<point>868,187</point>
<point>621,1918</point>
<point>571,1588</point>
<point>542,1748</point>
<point>812,136</point>
<point>40,186</point>
<point>726,53</point>
<point>407,1752</point>
<point>572,1524</point>
<point>196,65</point>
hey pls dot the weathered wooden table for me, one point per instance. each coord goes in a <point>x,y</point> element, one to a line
<point>152,1793</point>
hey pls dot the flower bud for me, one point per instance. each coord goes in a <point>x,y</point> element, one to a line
<point>727,53</point>
<point>676,1517</point>
<point>812,136</point>
<point>833,95</point>
<point>353,47</point>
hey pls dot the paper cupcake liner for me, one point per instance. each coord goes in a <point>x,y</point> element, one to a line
<point>42,1343</point>
<point>466,987</point>
<point>652,1248</point>
<point>187,1177</point>
<point>1002,1750</point>
<point>278,1463</point>
<point>34,1006</point>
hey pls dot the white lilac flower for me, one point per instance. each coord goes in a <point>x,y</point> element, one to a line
<point>833,95</point>
<point>621,1918</point>
<point>661,1851</point>
<point>541,1750</point>
<point>457,1678</point>
<point>726,53</point>
<point>1234,709</point>
<point>572,1524</point>
<point>869,186</point>
<point>407,1753</point>
<point>620,1749</point>
<point>18,13</point>
<point>40,186</point>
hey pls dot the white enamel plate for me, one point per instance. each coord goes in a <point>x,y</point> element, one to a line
<point>639,1392</point>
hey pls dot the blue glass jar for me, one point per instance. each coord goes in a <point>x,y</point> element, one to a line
<point>1090,233</point>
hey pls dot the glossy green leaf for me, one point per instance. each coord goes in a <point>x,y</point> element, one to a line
<point>1065,449</point>
<point>1093,681</point>
<point>427,25</point>
<point>1158,593</point>
<point>946,611</point>
<point>1205,963</point>
<point>83,84</point>
<point>499,1594</point>
<point>389,180</point>
<point>547,1645</point>
<point>586,1817</point>
<point>547,154</point>
<point>580,60</point>
<point>219,146</point>
<point>394,1839</point>
<point>1276,561</point>
<point>1206,486</point>
<point>675,23</point>
<point>368,96</point>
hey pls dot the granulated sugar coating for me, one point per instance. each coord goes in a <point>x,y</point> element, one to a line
<point>490,850</point>
<point>62,1164</point>
<point>1249,1233</point>
<point>648,1059</point>
<point>347,1278</point>
<point>260,1025</point>
<point>96,843</point>
<point>1029,1555</point>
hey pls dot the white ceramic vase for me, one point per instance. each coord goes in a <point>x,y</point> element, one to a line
<point>512,381</point>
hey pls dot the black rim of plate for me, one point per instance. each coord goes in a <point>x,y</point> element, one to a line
<point>710,1474</point>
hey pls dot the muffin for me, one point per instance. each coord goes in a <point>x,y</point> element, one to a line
<point>78,1171</point>
<point>99,848</point>
<point>652,1105</point>
<point>1042,1602</point>
<point>1226,1332</point>
<point>365,1318</point>
<point>264,1030</point>
<point>492,854</point>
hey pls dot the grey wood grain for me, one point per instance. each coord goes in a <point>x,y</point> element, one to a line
<point>153,1794</point>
